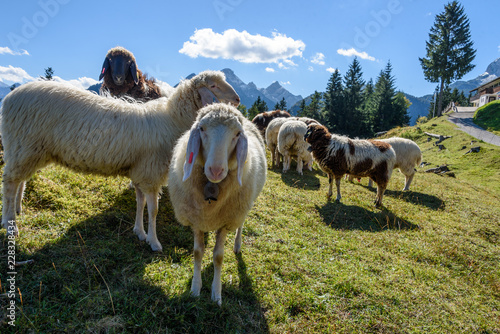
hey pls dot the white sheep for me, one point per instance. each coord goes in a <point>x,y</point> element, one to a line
<point>408,156</point>
<point>48,122</point>
<point>272,132</point>
<point>291,143</point>
<point>339,155</point>
<point>217,171</point>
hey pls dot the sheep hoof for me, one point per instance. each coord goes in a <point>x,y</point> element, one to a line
<point>155,245</point>
<point>217,299</point>
<point>337,200</point>
<point>10,231</point>
<point>140,234</point>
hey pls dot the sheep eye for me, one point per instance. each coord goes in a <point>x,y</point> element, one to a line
<point>213,86</point>
<point>202,129</point>
<point>238,134</point>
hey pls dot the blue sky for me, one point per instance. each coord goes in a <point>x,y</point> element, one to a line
<point>294,42</point>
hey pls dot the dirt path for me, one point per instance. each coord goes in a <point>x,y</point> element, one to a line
<point>464,122</point>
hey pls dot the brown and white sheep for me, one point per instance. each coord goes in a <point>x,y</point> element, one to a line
<point>262,120</point>
<point>408,156</point>
<point>339,155</point>
<point>123,78</point>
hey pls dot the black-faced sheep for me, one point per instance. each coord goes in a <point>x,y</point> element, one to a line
<point>123,78</point>
<point>47,122</point>
<point>291,144</point>
<point>262,120</point>
<point>218,169</point>
<point>339,155</point>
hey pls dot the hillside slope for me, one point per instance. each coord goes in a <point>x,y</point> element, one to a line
<point>426,262</point>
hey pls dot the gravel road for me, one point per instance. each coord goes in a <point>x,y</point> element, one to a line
<point>464,122</point>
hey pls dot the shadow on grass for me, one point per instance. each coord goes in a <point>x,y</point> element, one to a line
<point>308,181</point>
<point>410,196</point>
<point>351,217</point>
<point>98,277</point>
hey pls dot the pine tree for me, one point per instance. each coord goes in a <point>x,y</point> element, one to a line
<point>302,107</point>
<point>449,51</point>
<point>382,112</point>
<point>400,110</point>
<point>258,106</point>
<point>334,100</point>
<point>351,118</point>
<point>49,72</point>
<point>282,104</point>
<point>314,109</point>
<point>366,108</point>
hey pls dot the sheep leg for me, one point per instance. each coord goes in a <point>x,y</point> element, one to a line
<point>139,215</point>
<point>237,240</point>
<point>337,183</point>
<point>19,197</point>
<point>218,258</point>
<point>10,191</point>
<point>273,157</point>
<point>370,182</point>
<point>408,179</point>
<point>277,155</point>
<point>330,184</point>
<point>380,194</point>
<point>198,251</point>
<point>300,164</point>
<point>152,239</point>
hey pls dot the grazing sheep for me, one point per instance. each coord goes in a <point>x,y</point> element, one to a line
<point>47,122</point>
<point>262,120</point>
<point>217,171</point>
<point>123,78</point>
<point>408,156</point>
<point>291,143</point>
<point>338,155</point>
<point>272,132</point>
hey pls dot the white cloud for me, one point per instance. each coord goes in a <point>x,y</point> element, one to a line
<point>499,48</point>
<point>318,59</point>
<point>269,69</point>
<point>330,69</point>
<point>285,82</point>
<point>14,74</point>
<point>82,82</point>
<point>352,52</point>
<point>243,46</point>
<point>6,50</point>
<point>310,68</point>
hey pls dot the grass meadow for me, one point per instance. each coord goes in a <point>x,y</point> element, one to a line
<point>427,262</point>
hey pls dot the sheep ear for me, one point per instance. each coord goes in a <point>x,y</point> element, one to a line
<point>105,67</point>
<point>241,154</point>
<point>206,95</point>
<point>192,150</point>
<point>133,71</point>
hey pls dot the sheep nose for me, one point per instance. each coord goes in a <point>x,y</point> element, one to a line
<point>118,79</point>
<point>216,172</point>
<point>236,101</point>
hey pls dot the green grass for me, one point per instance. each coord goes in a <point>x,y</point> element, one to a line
<point>488,117</point>
<point>427,262</point>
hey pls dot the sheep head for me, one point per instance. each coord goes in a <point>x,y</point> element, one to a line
<point>219,138</point>
<point>316,132</point>
<point>213,87</point>
<point>120,63</point>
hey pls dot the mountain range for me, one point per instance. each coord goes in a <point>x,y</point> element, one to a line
<point>275,92</point>
<point>249,93</point>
